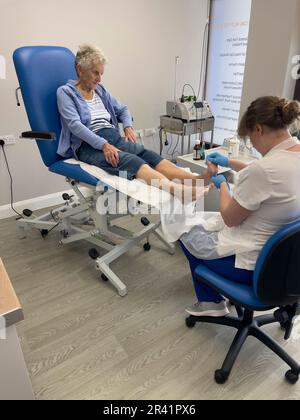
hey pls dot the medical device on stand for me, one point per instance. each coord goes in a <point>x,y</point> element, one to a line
<point>189,110</point>
<point>186,117</point>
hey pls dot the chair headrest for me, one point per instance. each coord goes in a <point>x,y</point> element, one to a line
<point>41,70</point>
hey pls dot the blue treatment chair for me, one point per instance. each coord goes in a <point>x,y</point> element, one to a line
<point>276,284</point>
<point>41,70</point>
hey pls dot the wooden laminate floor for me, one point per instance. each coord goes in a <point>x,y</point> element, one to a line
<point>82,341</point>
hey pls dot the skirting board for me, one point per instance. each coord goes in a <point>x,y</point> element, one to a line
<point>33,204</point>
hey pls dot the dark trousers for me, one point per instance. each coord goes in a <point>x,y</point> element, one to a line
<point>222,266</point>
<point>131,156</point>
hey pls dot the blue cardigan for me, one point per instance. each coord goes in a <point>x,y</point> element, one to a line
<point>76,118</point>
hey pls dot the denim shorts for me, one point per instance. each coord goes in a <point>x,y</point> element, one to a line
<point>131,156</point>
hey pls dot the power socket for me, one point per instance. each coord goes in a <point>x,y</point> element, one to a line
<point>8,139</point>
<point>150,132</point>
<point>139,134</point>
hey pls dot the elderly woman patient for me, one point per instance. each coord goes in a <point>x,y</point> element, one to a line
<point>90,117</point>
<point>266,196</point>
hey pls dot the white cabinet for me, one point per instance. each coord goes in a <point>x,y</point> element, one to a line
<point>15,383</point>
<point>14,379</point>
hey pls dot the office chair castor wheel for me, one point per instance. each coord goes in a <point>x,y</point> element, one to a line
<point>104,278</point>
<point>190,322</point>
<point>147,247</point>
<point>291,377</point>
<point>221,376</point>
<point>44,233</point>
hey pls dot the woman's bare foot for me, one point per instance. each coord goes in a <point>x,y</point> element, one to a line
<point>210,171</point>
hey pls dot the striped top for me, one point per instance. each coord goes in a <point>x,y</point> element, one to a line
<point>100,117</point>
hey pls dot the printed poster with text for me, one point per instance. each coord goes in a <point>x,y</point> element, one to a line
<point>229,28</point>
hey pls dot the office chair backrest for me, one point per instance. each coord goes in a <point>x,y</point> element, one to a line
<point>277,272</point>
<point>41,70</point>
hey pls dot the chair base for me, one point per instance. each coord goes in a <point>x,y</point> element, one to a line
<point>247,325</point>
<point>79,219</point>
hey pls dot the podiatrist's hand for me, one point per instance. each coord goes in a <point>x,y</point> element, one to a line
<point>218,180</point>
<point>218,159</point>
<point>130,135</point>
<point>111,154</point>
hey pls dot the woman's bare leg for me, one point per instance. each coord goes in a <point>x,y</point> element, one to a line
<point>153,177</point>
<point>171,171</point>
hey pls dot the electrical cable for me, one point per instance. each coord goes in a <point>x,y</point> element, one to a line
<point>171,155</point>
<point>166,139</point>
<point>170,146</point>
<point>202,58</point>
<point>53,217</point>
<point>193,90</point>
<point>53,228</point>
<point>17,96</point>
<point>209,9</point>
<point>161,146</point>
<point>204,47</point>
<point>175,83</point>
<point>11,188</point>
<point>174,150</point>
<point>11,181</point>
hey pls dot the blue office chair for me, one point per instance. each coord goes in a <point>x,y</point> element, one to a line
<point>276,283</point>
<point>41,70</point>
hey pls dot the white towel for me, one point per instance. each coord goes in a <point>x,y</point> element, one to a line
<point>176,219</point>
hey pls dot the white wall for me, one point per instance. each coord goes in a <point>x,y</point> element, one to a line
<point>290,82</point>
<point>274,37</point>
<point>140,38</point>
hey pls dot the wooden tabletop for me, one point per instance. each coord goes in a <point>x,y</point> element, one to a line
<point>10,306</point>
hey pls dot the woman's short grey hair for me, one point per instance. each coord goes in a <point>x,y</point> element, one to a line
<point>88,55</point>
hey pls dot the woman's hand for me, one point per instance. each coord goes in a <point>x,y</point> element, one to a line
<point>130,135</point>
<point>111,154</point>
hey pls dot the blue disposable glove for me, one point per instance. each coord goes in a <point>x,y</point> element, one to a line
<point>218,159</point>
<point>218,180</point>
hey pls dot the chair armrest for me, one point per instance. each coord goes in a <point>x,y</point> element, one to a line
<point>41,135</point>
